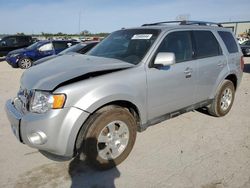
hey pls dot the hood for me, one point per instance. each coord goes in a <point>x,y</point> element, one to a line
<point>18,51</point>
<point>50,74</point>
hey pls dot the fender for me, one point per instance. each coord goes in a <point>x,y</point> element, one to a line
<point>102,96</point>
<point>220,79</point>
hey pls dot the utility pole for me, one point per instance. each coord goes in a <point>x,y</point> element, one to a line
<point>79,23</point>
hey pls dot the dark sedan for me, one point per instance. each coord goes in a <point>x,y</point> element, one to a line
<point>81,48</point>
<point>245,47</point>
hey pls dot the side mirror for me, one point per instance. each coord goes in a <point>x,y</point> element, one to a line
<point>164,59</point>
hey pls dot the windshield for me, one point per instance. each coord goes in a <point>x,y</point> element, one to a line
<point>74,48</point>
<point>32,46</point>
<point>127,45</point>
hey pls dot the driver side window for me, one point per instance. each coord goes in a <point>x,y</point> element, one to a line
<point>11,41</point>
<point>46,47</point>
<point>179,43</point>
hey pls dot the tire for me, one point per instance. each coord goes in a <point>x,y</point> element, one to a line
<point>110,137</point>
<point>223,101</point>
<point>25,63</point>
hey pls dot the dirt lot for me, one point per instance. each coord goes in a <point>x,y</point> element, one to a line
<point>192,150</point>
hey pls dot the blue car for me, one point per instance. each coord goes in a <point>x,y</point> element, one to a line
<point>25,57</point>
<point>80,48</point>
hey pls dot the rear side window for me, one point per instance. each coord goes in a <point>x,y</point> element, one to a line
<point>206,44</point>
<point>179,43</point>
<point>60,45</point>
<point>229,41</point>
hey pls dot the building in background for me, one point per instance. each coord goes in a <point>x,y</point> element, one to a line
<point>240,29</point>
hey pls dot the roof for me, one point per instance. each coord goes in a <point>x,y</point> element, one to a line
<point>182,24</point>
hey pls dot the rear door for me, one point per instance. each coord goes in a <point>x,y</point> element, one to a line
<point>210,60</point>
<point>172,87</point>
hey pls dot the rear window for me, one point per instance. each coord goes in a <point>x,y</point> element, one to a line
<point>206,44</point>
<point>229,41</point>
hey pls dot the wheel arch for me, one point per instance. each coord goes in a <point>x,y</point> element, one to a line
<point>232,78</point>
<point>131,107</point>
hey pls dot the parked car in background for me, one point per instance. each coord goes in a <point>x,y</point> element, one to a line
<point>25,57</point>
<point>14,42</point>
<point>242,39</point>
<point>245,47</point>
<point>80,48</point>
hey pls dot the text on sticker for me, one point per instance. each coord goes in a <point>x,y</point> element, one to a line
<point>141,37</point>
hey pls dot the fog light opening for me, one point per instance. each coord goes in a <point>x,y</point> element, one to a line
<point>37,138</point>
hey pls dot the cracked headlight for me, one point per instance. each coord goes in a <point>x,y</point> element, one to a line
<point>42,101</point>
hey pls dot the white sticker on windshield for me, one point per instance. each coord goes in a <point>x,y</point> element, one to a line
<point>141,36</point>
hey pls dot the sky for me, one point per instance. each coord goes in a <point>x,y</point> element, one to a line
<point>72,16</point>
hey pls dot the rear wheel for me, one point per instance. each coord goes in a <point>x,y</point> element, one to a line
<point>223,100</point>
<point>110,137</point>
<point>25,63</point>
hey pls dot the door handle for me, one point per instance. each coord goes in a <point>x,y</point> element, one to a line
<point>188,71</point>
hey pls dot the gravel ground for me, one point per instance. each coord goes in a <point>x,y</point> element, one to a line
<point>189,151</point>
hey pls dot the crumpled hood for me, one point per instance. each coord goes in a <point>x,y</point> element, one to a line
<point>53,72</point>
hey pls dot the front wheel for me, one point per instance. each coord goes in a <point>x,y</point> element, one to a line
<point>25,63</point>
<point>223,100</point>
<point>110,137</point>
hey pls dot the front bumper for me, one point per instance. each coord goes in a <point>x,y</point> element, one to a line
<point>13,61</point>
<point>56,129</point>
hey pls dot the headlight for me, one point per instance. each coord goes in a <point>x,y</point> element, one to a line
<point>42,101</point>
<point>14,55</point>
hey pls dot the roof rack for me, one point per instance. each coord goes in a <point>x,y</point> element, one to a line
<point>186,22</point>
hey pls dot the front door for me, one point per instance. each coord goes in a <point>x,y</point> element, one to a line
<point>172,88</point>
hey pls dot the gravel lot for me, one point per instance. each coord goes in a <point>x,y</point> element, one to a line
<point>192,150</point>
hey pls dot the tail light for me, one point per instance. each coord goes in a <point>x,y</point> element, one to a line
<point>241,63</point>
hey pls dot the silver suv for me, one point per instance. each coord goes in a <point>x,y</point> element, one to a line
<point>94,104</point>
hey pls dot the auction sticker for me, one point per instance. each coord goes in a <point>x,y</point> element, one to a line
<point>141,37</point>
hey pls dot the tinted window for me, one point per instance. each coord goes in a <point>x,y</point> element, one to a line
<point>229,41</point>
<point>74,48</point>
<point>9,41</point>
<point>179,43</point>
<point>60,45</point>
<point>87,48</point>
<point>24,40</point>
<point>206,44</point>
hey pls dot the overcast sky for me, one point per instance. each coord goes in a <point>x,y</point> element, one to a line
<point>36,16</point>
